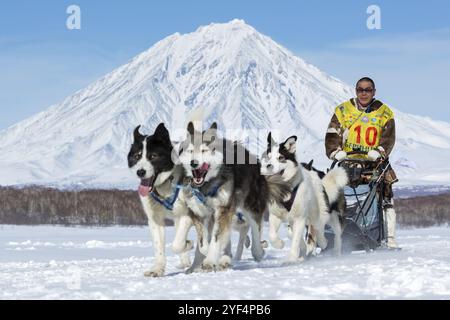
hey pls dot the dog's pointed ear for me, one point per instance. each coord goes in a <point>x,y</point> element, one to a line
<point>176,151</point>
<point>137,135</point>
<point>162,132</point>
<point>270,142</point>
<point>212,129</point>
<point>290,144</point>
<point>209,135</point>
<point>309,165</point>
<point>190,128</point>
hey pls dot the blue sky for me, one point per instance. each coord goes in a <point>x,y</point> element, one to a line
<point>42,62</point>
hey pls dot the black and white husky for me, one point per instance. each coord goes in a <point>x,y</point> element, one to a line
<point>225,179</point>
<point>150,159</point>
<point>316,201</point>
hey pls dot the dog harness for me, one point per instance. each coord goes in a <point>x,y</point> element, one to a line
<point>170,201</point>
<point>167,202</point>
<point>200,196</point>
<point>288,204</point>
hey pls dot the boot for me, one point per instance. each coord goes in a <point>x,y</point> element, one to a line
<point>390,221</point>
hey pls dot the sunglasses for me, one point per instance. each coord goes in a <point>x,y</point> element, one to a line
<point>361,90</point>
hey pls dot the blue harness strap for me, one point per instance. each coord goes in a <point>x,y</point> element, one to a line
<point>213,191</point>
<point>167,202</point>
<point>200,196</point>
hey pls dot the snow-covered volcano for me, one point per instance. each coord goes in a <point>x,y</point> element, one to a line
<point>240,78</point>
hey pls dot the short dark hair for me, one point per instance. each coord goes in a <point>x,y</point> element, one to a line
<point>366,79</point>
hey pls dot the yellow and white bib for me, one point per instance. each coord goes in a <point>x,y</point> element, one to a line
<point>362,130</point>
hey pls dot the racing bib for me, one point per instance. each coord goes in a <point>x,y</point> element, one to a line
<point>363,130</point>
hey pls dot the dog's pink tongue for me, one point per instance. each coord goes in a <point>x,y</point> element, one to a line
<point>204,167</point>
<point>143,190</point>
<point>145,187</point>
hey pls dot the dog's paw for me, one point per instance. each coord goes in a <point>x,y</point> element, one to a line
<point>208,267</point>
<point>224,263</point>
<point>277,244</point>
<point>154,273</point>
<point>258,254</point>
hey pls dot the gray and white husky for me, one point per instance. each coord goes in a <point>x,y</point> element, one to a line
<point>226,179</point>
<point>315,202</point>
<point>150,159</point>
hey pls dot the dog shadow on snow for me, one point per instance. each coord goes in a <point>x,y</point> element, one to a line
<point>269,262</point>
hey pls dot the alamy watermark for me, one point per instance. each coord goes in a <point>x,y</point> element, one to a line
<point>231,144</point>
<point>73,22</point>
<point>374,19</point>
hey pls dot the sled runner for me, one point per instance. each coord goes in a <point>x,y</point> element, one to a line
<point>362,224</point>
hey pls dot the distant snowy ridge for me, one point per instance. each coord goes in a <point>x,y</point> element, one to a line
<point>243,80</point>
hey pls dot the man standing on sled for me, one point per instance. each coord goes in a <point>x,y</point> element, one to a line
<point>366,124</point>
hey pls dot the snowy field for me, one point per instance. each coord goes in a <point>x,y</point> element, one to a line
<point>48,262</point>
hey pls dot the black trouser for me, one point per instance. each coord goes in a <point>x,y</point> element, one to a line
<point>388,196</point>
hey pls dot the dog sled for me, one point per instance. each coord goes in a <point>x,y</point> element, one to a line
<point>363,226</point>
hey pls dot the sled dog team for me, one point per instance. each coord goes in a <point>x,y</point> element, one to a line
<point>217,185</point>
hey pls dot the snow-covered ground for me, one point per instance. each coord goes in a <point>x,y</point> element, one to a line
<point>48,262</point>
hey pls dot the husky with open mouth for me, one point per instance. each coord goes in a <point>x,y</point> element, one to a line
<point>225,179</point>
<point>150,159</point>
<point>316,200</point>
